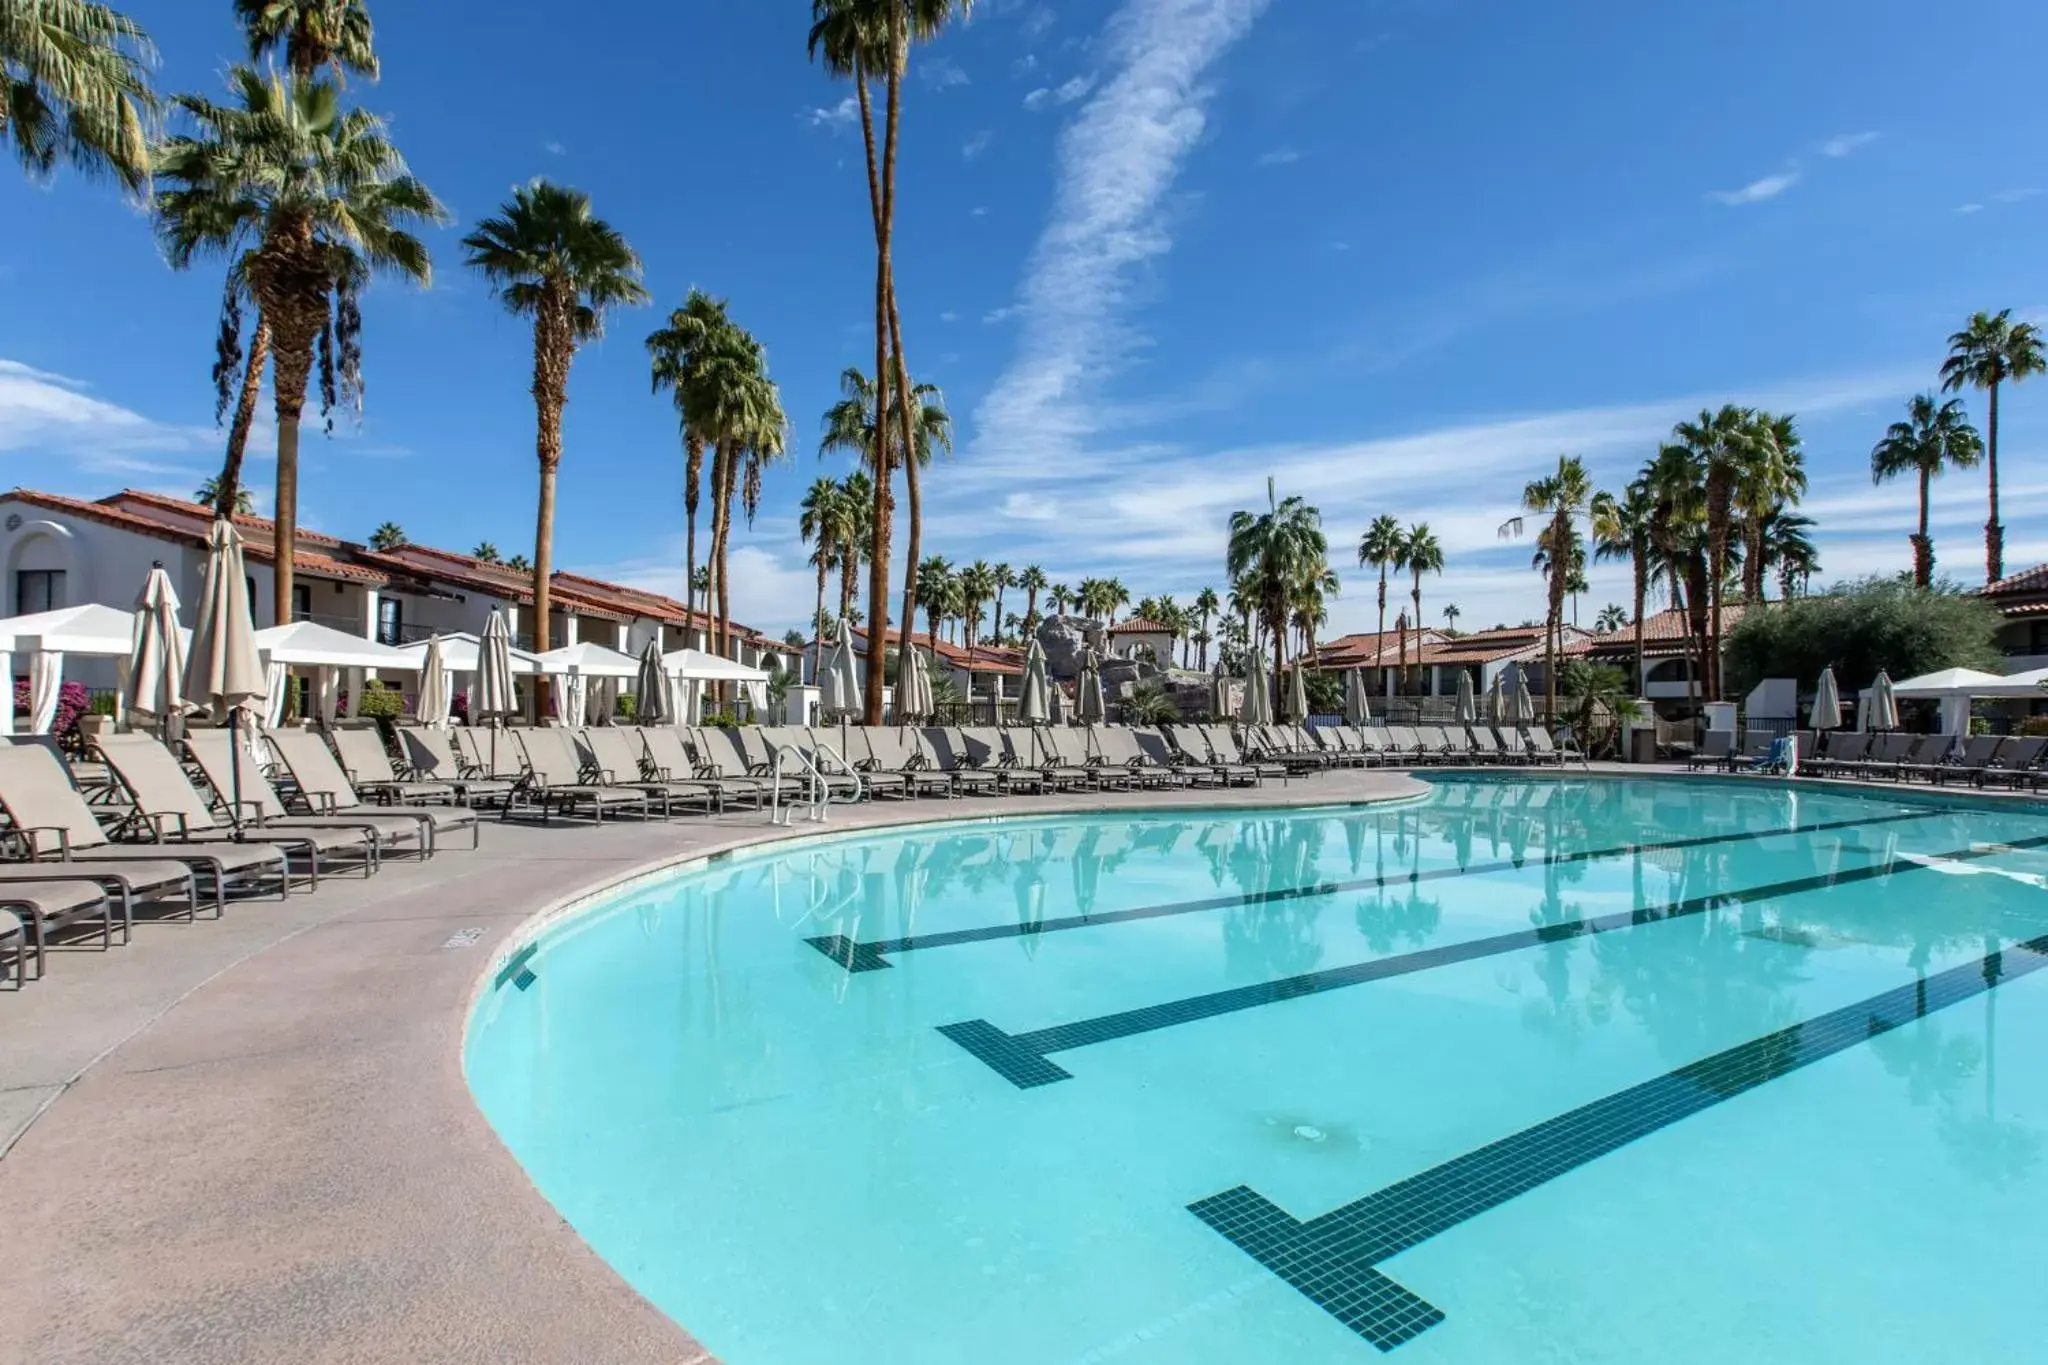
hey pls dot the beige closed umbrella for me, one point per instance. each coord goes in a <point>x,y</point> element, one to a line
<point>652,702</point>
<point>1827,703</point>
<point>1034,705</point>
<point>1297,693</point>
<point>1468,709</point>
<point>1091,708</point>
<point>223,673</point>
<point>436,697</point>
<point>155,691</point>
<point>1357,709</point>
<point>841,689</point>
<point>1524,705</point>
<point>1219,692</point>
<point>1884,706</point>
<point>1257,706</point>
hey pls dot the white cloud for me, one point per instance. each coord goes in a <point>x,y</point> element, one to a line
<point>948,316</point>
<point>1024,65</point>
<point>1003,314</point>
<point>1118,160</point>
<point>1969,208</point>
<point>1066,92</point>
<point>1038,20</point>
<point>1279,156</point>
<point>1756,191</point>
<point>978,211</point>
<point>2016,196</point>
<point>976,145</point>
<point>56,419</point>
<point>840,116</point>
<point>1030,507</point>
<point>769,591</point>
<point>554,148</point>
<point>942,73</point>
<point>1842,144</point>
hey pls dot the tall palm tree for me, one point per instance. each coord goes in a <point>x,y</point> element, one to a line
<point>1722,443</point>
<point>1421,553</point>
<point>310,201</point>
<point>550,258</point>
<point>1273,552</point>
<point>209,494</point>
<point>1451,615</point>
<point>1560,499</point>
<point>680,355</point>
<point>935,573</point>
<point>1622,528</point>
<point>312,34</point>
<point>850,422</point>
<point>1033,581</point>
<point>74,87</point>
<point>1678,538</point>
<point>858,504</point>
<point>747,431</point>
<point>1935,436</point>
<point>1115,596</point>
<point>1380,548</point>
<point>486,552</point>
<point>1789,549</point>
<point>1772,476</point>
<point>1005,577</point>
<point>819,522</point>
<point>388,536</point>
<point>1612,617</point>
<point>1061,597</point>
<point>977,587</point>
<point>1207,604</point>
<point>1991,350</point>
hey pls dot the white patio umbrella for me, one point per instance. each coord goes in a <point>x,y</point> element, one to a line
<point>436,696</point>
<point>1496,708</point>
<point>1884,706</point>
<point>1055,703</point>
<point>1257,706</point>
<point>1297,693</point>
<point>154,690</point>
<point>841,689</point>
<point>1827,703</point>
<point>653,705</point>
<point>1091,710</point>
<point>224,673</point>
<point>1219,692</point>
<point>1468,710</point>
<point>1357,709</point>
<point>914,694</point>
<point>494,698</point>
<point>1524,705</point>
<point>1034,705</point>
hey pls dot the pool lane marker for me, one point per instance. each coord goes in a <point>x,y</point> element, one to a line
<point>871,957</point>
<point>1334,1259</point>
<point>1022,1058</point>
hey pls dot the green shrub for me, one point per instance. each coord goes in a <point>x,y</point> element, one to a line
<point>1325,694</point>
<point>1859,628</point>
<point>721,719</point>
<point>1150,704</point>
<point>380,703</point>
<point>629,706</point>
<point>2033,725</point>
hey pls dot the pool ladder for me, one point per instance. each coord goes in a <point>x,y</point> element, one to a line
<point>820,786</point>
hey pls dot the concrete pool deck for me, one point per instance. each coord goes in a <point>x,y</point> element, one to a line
<point>251,1140</point>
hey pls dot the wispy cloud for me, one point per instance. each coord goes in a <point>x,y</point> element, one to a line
<point>1969,208</point>
<point>1757,191</point>
<point>554,148</point>
<point>942,73</point>
<point>840,116</point>
<point>68,431</point>
<point>1842,144</point>
<point>1117,161</point>
<point>978,211</point>
<point>1024,65</point>
<point>2016,196</point>
<point>1051,96</point>
<point>1003,314</point>
<point>1038,21</point>
<point>1279,156</point>
<point>976,145</point>
<point>948,316</point>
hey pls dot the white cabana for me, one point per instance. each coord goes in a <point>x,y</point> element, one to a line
<point>586,660</point>
<point>93,629</point>
<point>308,644</point>
<point>459,653</point>
<point>695,666</point>
<point>1948,682</point>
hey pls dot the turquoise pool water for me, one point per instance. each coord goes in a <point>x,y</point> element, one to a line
<point>1575,1071</point>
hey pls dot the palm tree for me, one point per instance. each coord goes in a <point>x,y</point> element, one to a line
<point>680,355</point>
<point>1612,617</point>
<point>486,552</point>
<point>859,506</point>
<point>1772,476</point>
<point>935,574</point>
<point>1207,604</point>
<point>850,422</point>
<point>73,87</point>
<point>209,494</point>
<point>548,257</point>
<point>1380,548</point>
<point>820,519</point>
<point>309,201</point>
<point>335,34</point>
<point>1935,436</point>
<point>1061,597</point>
<point>1560,499</point>
<point>977,586</point>
<point>1421,553</point>
<point>1273,552</point>
<point>1005,577</point>
<point>747,431</point>
<point>1990,350</point>
<point>1678,538</point>
<point>1115,596</point>
<point>1722,443</point>
<point>1622,529</point>
<point>519,564</point>
<point>1789,548</point>
<point>1451,615</point>
<point>388,536</point>
<point>1033,581</point>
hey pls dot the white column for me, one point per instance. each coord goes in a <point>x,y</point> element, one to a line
<point>568,628</point>
<point>621,645</point>
<point>371,598</point>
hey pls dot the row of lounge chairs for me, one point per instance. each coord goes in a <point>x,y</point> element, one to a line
<point>1408,745</point>
<point>2013,761</point>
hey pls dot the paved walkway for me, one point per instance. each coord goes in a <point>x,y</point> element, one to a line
<point>250,1140</point>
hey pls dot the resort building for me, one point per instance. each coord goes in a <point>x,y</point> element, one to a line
<point>1391,663</point>
<point>984,673</point>
<point>1130,639</point>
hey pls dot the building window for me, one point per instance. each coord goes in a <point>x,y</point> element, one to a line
<point>38,590</point>
<point>302,602</point>
<point>390,621</point>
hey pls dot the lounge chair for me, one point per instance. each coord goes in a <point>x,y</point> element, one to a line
<point>1545,750</point>
<point>947,751</point>
<point>1223,751</point>
<point>1160,749</point>
<point>430,757</point>
<point>1842,750</point>
<point>1976,755</point>
<point>39,908</point>
<point>893,755</point>
<point>555,779</point>
<point>668,759</point>
<point>360,752</point>
<point>56,825</point>
<point>1485,745</point>
<point>1888,752</point>
<point>2019,761</point>
<point>1062,757</point>
<point>618,758</point>
<point>326,790</point>
<point>368,837</point>
<point>1116,747</point>
<point>489,752</point>
<point>986,750</point>
<point>721,751</point>
<point>1716,748</point>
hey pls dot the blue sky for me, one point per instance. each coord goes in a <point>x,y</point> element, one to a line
<point>1398,253</point>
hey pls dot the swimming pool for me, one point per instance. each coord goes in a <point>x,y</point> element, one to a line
<point>1533,1070</point>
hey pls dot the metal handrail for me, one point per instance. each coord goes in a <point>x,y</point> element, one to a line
<point>819,785</point>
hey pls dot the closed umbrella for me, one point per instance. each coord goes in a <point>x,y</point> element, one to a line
<point>913,684</point>
<point>1219,692</point>
<point>1495,709</point>
<point>652,703</point>
<point>1468,710</point>
<point>1257,706</point>
<point>1357,709</point>
<point>1034,706</point>
<point>1827,703</point>
<point>1091,710</point>
<point>155,692</point>
<point>494,698</point>
<point>436,699</point>
<point>1524,704</point>
<point>1297,694</point>
<point>45,686</point>
<point>1884,707</point>
<point>224,673</point>
<point>841,691</point>
<point>1055,703</point>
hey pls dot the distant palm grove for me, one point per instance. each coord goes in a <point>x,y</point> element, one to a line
<point>298,195</point>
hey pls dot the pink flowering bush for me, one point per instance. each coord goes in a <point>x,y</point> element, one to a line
<point>73,701</point>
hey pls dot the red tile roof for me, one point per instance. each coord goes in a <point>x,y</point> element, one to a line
<point>1138,625</point>
<point>981,659</point>
<point>165,508</point>
<point>1665,633</point>
<point>127,516</point>
<point>2025,581</point>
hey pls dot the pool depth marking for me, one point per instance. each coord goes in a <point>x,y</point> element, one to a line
<point>871,957</point>
<point>1021,1058</point>
<point>1334,1259</point>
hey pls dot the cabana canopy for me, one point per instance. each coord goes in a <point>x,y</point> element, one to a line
<point>586,660</point>
<point>93,629</point>
<point>1950,682</point>
<point>694,665</point>
<point>309,644</point>
<point>459,654</point>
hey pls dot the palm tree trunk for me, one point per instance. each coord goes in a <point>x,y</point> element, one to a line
<point>1417,596</point>
<point>693,478</point>
<point>292,366</point>
<point>1994,531</point>
<point>228,490</point>
<point>1923,548</point>
<point>1642,594</point>
<point>818,617</point>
